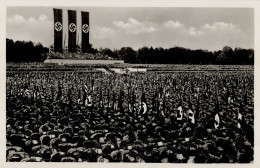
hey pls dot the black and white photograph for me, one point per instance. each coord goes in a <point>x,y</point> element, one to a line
<point>124,84</point>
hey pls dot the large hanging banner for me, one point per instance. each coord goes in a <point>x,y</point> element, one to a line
<point>72,30</point>
<point>85,31</point>
<point>57,30</point>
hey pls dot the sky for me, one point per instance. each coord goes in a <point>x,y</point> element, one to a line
<point>115,27</point>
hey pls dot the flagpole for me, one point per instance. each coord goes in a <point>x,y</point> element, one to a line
<point>64,41</point>
<point>78,40</point>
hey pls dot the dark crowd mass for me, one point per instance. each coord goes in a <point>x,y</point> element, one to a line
<point>153,117</point>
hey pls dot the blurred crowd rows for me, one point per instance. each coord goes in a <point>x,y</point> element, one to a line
<point>95,117</point>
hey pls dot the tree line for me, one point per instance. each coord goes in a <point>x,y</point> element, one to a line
<point>27,51</point>
<point>181,55</point>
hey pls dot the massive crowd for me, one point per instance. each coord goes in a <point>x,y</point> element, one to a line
<point>140,117</point>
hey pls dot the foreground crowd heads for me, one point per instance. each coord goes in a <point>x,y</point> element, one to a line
<point>151,117</point>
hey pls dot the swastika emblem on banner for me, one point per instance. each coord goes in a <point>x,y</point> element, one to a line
<point>85,28</point>
<point>72,27</point>
<point>58,26</point>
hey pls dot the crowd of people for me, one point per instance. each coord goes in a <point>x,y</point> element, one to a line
<point>138,117</point>
<point>78,55</point>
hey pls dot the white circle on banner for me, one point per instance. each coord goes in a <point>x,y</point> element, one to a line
<point>85,28</point>
<point>58,26</point>
<point>144,107</point>
<point>72,27</point>
<point>217,121</point>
